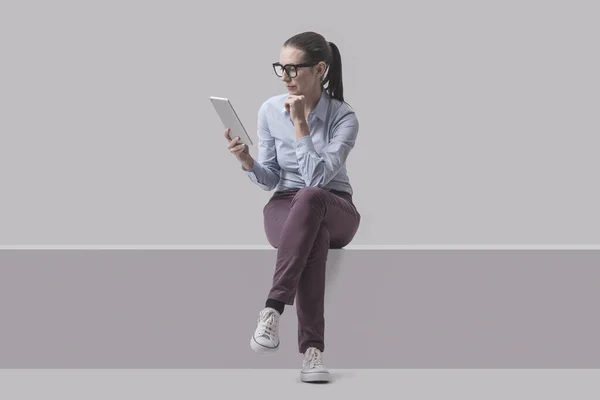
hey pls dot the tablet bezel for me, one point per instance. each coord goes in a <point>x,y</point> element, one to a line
<point>230,119</point>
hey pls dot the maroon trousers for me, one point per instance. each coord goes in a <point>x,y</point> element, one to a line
<point>303,225</point>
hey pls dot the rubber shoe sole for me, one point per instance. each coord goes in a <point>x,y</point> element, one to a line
<point>316,377</point>
<point>259,348</point>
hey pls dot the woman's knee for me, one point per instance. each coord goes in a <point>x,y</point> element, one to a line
<point>311,195</point>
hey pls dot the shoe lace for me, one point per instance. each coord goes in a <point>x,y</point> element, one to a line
<point>314,358</point>
<point>268,324</point>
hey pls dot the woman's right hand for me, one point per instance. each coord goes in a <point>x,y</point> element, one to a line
<point>240,150</point>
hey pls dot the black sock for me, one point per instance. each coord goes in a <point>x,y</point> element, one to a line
<point>276,304</point>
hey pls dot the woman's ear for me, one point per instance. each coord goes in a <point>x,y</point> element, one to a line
<point>321,69</point>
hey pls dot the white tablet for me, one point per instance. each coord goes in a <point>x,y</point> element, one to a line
<point>230,119</point>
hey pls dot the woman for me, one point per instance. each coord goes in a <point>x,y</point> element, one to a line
<point>304,138</point>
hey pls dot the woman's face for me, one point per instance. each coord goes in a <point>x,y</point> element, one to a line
<point>307,79</point>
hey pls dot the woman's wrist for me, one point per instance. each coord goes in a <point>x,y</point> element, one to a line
<point>301,128</point>
<point>247,165</point>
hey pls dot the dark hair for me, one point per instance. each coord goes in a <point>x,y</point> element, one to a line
<point>316,49</point>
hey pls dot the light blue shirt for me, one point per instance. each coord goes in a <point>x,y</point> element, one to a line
<point>283,162</point>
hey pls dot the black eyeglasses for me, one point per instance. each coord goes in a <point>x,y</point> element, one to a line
<point>291,69</point>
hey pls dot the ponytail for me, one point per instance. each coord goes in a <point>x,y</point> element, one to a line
<point>335,87</point>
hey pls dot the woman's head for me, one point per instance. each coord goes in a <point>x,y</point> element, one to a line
<point>308,62</point>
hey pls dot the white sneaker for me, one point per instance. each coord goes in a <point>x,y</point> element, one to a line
<point>266,336</point>
<point>313,369</point>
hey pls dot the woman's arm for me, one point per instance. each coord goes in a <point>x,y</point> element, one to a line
<point>265,170</point>
<point>319,169</point>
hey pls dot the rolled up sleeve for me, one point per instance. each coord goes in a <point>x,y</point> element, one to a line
<point>266,171</point>
<point>319,169</point>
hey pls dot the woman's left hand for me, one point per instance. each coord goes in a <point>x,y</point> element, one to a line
<point>295,106</point>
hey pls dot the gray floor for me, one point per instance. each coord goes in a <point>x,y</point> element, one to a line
<point>264,384</point>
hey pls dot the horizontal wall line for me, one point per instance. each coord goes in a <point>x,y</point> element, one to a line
<point>267,247</point>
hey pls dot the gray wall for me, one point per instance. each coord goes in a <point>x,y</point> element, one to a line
<point>479,120</point>
<point>383,309</point>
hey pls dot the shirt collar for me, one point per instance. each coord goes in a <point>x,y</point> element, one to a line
<point>321,110</point>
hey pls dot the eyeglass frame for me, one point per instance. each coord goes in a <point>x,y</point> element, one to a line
<point>296,66</point>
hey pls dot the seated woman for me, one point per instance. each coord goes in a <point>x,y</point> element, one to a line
<point>304,138</point>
